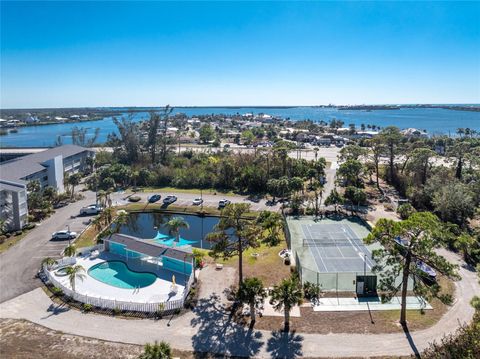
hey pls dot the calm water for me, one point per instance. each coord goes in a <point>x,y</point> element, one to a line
<point>117,274</point>
<point>142,225</point>
<point>434,120</point>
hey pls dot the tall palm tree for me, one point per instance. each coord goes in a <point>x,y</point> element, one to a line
<point>174,226</point>
<point>285,296</point>
<point>73,272</point>
<point>74,180</point>
<point>251,292</point>
<point>70,251</point>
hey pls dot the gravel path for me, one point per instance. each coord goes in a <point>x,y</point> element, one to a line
<point>209,329</point>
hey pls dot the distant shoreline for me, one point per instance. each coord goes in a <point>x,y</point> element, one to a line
<point>457,107</point>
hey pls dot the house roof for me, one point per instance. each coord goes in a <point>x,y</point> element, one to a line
<point>21,167</point>
<point>151,248</point>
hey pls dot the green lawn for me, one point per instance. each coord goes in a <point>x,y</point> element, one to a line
<point>12,241</point>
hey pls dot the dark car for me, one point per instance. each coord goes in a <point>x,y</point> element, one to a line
<point>154,198</point>
<point>169,199</point>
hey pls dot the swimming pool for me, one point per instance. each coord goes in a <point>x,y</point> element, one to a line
<point>117,274</point>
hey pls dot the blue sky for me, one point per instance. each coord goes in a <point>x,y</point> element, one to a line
<point>61,54</point>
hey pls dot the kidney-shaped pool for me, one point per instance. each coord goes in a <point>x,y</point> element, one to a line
<point>117,274</point>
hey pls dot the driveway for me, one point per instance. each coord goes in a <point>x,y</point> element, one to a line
<point>20,263</point>
<point>209,328</point>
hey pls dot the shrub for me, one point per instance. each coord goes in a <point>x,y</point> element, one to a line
<point>18,233</point>
<point>116,311</point>
<point>29,226</point>
<point>134,198</point>
<point>405,210</point>
<point>311,292</point>
<point>160,350</point>
<point>57,292</point>
<point>87,307</point>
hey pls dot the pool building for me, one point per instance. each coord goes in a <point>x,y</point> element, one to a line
<point>146,252</point>
<point>128,273</point>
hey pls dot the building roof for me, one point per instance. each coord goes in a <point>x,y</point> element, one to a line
<point>11,186</point>
<point>151,248</point>
<point>22,167</point>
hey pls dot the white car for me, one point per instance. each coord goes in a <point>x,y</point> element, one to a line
<point>92,209</point>
<point>197,201</point>
<point>64,235</point>
<point>224,202</point>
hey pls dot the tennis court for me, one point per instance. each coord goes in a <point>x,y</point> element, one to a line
<point>330,251</point>
<point>335,248</point>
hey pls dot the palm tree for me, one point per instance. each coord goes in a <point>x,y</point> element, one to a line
<point>70,251</point>
<point>73,272</point>
<point>74,180</point>
<point>49,261</point>
<point>285,296</point>
<point>122,218</point>
<point>174,226</point>
<point>160,350</point>
<point>251,292</point>
<point>271,223</point>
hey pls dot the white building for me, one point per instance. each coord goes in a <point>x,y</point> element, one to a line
<point>48,167</point>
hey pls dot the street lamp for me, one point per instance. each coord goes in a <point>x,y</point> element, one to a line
<point>69,237</point>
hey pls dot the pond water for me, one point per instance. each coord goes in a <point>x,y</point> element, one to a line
<point>152,226</point>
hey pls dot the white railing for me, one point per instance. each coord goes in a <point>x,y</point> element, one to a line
<point>121,305</point>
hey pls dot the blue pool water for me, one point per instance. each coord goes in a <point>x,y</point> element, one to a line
<point>153,226</point>
<point>117,274</point>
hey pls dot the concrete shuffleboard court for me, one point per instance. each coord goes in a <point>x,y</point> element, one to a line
<point>335,248</point>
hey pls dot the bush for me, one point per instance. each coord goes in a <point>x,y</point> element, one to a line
<point>160,350</point>
<point>18,233</point>
<point>57,292</point>
<point>465,343</point>
<point>116,311</point>
<point>405,210</point>
<point>134,198</point>
<point>311,292</point>
<point>29,226</point>
<point>87,307</point>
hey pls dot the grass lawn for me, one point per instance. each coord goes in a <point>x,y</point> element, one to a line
<point>267,266</point>
<point>87,238</point>
<point>12,241</point>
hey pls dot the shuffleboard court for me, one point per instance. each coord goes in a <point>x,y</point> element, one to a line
<point>336,248</point>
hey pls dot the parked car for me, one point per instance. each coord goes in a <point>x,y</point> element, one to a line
<point>91,210</point>
<point>64,235</point>
<point>197,201</point>
<point>222,203</point>
<point>170,199</point>
<point>154,198</point>
<point>60,205</point>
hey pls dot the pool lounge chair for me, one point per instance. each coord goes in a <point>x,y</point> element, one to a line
<point>94,254</point>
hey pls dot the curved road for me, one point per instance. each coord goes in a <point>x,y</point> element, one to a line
<point>209,329</point>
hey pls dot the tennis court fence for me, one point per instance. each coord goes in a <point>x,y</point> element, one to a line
<point>329,282</point>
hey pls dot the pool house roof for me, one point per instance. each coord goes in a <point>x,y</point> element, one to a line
<point>152,249</point>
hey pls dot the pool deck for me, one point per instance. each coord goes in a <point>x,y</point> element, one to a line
<point>159,291</point>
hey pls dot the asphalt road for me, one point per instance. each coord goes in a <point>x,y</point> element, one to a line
<point>20,264</point>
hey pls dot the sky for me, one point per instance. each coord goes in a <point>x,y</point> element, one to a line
<point>73,54</point>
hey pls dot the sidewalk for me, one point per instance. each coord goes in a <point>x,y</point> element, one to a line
<point>367,304</point>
